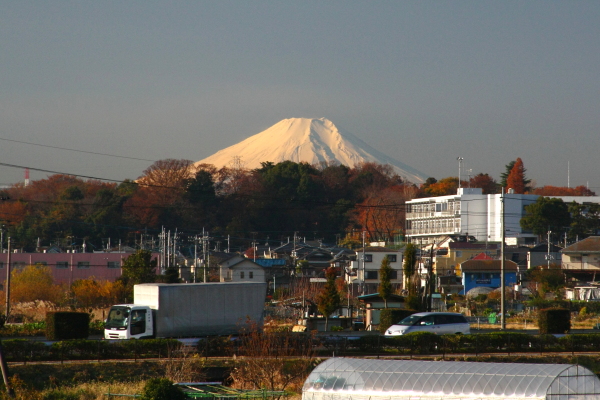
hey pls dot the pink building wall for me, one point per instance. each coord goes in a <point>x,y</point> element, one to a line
<point>102,266</point>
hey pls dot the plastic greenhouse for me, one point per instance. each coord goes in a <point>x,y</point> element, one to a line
<point>364,379</point>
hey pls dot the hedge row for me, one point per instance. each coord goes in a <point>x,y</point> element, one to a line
<point>23,350</point>
<point>496,342</point>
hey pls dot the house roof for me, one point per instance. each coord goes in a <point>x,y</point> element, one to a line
<point>270,262</point>
<point>473,246</point>
<point>543,248</point>
<point>377,249</point>
<point>482,256</point>
<point>375,297</point>
<point>245,261</point>
<point>488,265</point>
<point>587,245</point>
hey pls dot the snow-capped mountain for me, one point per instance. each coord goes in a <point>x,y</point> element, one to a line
<point>307,139</point>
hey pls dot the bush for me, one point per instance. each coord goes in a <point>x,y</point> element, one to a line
<point>67,325</point>
<point>161,389</point>
<point>391,316</point>
<point>554,320</point>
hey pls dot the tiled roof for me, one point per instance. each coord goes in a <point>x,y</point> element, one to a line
<point>482,256</point>
<point>270,262</point>
<point>473,246</point>
<point>587,245</point>
<point>487,265</point>
<point>543,248</point>
<point>377,249</point>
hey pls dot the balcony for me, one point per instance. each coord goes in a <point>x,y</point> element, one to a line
<point>432,231</point>
<point>432,214</point>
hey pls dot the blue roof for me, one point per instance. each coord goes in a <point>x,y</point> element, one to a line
<point>270,262</point>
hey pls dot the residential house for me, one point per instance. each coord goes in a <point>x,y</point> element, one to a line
<point>447,259</point>
<point>241,269</point>
<point>538,255</point>
<point>486,273</point>
<point>582,259</point>
<point>367,265</point>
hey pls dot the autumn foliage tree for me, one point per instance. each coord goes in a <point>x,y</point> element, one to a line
<point>516,177</point>
<point>34,282</point>
<point>525,184</point>
<point>90,292</point>
<point>487,184</point>
<point>549,190</point>
<point>443,187</point>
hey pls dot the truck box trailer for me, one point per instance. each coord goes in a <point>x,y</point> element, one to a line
<point>187,310</point>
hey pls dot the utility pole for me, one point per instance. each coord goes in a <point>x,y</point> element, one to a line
<point>7,282</point>
<point>548,256</point>
<point>363,262</point>
<point>195,256</point>
<point>502,277</point>
<point>203,255</point>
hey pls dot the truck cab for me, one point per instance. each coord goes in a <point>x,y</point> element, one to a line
<point>129,321</point>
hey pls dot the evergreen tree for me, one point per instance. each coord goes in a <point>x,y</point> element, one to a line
<point>385,285</point>
<point>546,214</point>
<point>329,298</point>
<point>139,267</point>
<point>410,260</point>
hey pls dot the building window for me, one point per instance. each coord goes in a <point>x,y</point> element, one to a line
<point>371,274</point>
<point>393,274</point>
<point>241,274</point>
<point>18,265</point>
<point>62,265</point>
<point>41,263</point>
<point>368,257</point>
<point>392,257</point>
<point>113,264</point>
<point>458,253</point>
<point>251,275</point>
<point>83,264</point>
<point>1,265</point>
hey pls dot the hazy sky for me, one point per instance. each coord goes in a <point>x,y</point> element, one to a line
<point>424,82</point>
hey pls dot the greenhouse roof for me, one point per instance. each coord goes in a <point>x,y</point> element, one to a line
<point>340,378</point>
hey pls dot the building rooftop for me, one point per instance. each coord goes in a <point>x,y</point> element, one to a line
<point>587,245</point>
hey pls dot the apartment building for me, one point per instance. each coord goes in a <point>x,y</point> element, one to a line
<point>468,213</point>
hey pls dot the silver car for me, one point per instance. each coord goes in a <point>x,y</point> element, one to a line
<point>439,323</point>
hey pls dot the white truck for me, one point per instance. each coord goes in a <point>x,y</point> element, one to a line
<point>180,310</point>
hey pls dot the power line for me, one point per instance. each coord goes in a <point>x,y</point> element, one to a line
<point>77,151</point>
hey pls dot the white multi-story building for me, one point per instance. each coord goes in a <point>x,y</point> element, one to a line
<point>470,213</point>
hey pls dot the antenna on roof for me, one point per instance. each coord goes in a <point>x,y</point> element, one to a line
<point>26,182</point>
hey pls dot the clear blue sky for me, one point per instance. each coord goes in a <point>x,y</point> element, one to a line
<point>424,82</point>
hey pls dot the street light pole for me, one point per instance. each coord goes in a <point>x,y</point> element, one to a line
<point>460,160</point>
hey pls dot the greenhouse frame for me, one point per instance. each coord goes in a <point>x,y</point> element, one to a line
<point>369,379</point>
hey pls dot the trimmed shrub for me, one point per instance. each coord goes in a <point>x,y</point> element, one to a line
<point>554,320</point>
<point>390,316</point>
<point>64,325</point>
<point>161,389</point>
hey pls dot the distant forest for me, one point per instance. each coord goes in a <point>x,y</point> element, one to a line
<point>271,203</point>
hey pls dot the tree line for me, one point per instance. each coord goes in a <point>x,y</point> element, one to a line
<point>325,201</point>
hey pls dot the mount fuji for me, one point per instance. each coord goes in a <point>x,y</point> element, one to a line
<point>310,140</point>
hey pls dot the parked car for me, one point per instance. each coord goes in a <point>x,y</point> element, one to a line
<point>439,323</point>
